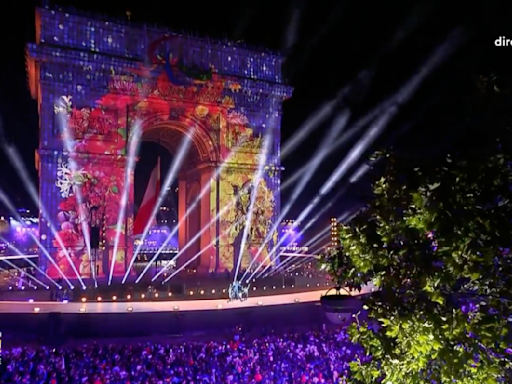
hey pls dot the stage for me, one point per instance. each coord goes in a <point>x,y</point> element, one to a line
<point>156,306</point>
<point>182,288</point>
<point>54,322</point>
<point>57,322</point>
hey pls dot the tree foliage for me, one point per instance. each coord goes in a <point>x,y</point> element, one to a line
<point>435,240</point>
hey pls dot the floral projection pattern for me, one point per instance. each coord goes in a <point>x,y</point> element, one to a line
<point>90,193</point>
<point>167,91</point>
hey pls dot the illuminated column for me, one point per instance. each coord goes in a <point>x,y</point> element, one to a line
<point>206,261</point>
<point>182,209</point>
<point>128,239</point>
<point>334,233</point>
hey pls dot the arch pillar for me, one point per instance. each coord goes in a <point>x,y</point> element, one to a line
<point>197,220</point>
<point>182,209</point>
<point>206,262</point>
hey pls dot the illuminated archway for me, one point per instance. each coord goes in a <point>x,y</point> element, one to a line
<point>194,225</point>
<point>224,97</point>
<point>194,179</point>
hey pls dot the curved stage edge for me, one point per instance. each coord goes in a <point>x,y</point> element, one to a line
<point>57,323</point>
<point>155,306</point>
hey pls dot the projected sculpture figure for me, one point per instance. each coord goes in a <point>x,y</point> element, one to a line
<point>94,80</point>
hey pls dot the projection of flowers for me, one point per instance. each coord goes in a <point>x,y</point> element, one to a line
<point>89,193</point>
<point>98,136</point>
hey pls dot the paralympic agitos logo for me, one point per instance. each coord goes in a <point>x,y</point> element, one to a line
<point>176,71</point>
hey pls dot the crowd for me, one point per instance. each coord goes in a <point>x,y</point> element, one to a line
<point>293,358</point>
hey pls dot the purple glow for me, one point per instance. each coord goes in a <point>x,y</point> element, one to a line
<point>74,61</point>
<point>157,236</point>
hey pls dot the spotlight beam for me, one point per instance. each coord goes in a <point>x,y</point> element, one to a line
<point>16,161</point>
<point>439,55</point>
<point>347,136</point>
<point>204,229</point>
<point>69,146</point>
<point>183,266</point>
<point>290,268</point>
<point>319,237</point>
<point>192,258</point>
<point>271,272</point>
<point>292,30</point>
<point>19,253</point>
<point>281,267</point>
<point>361,84</point>
<point>306,128</point>
<point>254,193</point>
<point>190,209</point>
<point>309,125</point>
<point>300,264</point>
<point>349,161</point>
<point>310,223</point>
<point>4,199</point>
<point>320,155</point>
<point>12,275</point>
<point>26,274</point>
<point>43,272</point>
<point>133,149</point>
<point>171,175</point>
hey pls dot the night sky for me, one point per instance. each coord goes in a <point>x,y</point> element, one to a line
<point>329,47</point>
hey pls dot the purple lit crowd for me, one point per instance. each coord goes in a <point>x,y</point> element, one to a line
<point>293,358</point>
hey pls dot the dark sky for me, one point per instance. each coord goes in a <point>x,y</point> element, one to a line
<point>333,42</point>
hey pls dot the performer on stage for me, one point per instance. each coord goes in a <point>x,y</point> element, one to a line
<point>238,292</point>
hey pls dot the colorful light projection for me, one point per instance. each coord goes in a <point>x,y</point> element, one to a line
<point>290,235</point>
<point>21,235</point>
<point>156,238</point>
<point>231,95</point>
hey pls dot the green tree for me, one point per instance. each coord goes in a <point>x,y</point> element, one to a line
<point>435,240</point>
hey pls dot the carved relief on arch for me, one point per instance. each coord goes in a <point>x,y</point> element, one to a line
<point>205,145</point>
